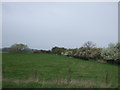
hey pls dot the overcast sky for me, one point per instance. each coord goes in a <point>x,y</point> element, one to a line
<point>70,25</point>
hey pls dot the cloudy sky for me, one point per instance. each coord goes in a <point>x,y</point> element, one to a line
<point>70,25</point>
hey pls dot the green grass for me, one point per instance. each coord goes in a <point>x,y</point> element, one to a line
<point>51,71</point>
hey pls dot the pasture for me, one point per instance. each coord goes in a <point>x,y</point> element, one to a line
<point>54,71</point>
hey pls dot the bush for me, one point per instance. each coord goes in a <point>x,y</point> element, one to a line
<point>111,52</point>
<point>19,48</point>
<point>41,51</point>
<point>58,50</point>
<point>88,51</point>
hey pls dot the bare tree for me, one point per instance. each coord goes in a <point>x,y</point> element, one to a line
<point>89,45</point>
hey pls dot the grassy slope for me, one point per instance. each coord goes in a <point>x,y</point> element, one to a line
<point>53,67</point>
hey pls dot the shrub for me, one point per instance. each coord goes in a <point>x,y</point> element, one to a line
<point>58,50</point>
<point>88,51</point>
<point>41,51</point>
<point>111,52</point>
<point>19,48</point>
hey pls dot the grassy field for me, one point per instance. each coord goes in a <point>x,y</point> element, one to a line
<point>53,71</point>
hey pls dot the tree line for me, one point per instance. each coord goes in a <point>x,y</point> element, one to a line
<point>88,51</point>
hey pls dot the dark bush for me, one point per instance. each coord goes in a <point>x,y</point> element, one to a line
<point>41,51</point>
<point>58,50</point>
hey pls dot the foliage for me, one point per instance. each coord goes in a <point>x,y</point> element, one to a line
<point>91,53</point>
<point>111,52</point>
<point>19,48</point>
<point>41,51</point>
<point>88,51</point>
<point>58,50</point>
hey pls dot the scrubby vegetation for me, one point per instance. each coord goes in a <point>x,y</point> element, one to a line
<point>111,53</point>
<point>88,51</point>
